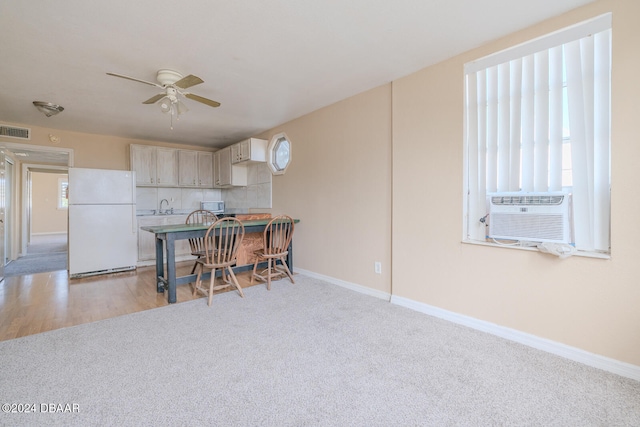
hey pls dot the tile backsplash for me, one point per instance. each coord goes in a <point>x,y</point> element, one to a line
<point>178,198</point>
<point>256,195</point>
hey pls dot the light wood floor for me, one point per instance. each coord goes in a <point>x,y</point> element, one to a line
<point>45,301</point>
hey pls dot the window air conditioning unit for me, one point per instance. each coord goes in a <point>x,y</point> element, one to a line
<point>533,217</point>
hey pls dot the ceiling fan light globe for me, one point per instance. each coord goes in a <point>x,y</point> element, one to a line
<point>165,105</point>
<point>181,108</point>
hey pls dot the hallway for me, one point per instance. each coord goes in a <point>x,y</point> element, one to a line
<point>46,253</point>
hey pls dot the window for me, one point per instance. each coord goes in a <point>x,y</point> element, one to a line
<point>537,120</point>
<point>279,154</point>
<point>63,193</point>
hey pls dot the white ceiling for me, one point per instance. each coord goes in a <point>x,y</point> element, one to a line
<point>266,61</point>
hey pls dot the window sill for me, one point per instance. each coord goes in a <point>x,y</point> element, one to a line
<point>586,254</point>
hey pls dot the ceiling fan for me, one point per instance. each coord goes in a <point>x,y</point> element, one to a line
<point>173,84</point>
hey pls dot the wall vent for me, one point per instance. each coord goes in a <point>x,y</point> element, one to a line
<point>541,217</point>
<point>7,131</point>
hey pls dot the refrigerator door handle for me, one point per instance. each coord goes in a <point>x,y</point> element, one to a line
<point>133,187</point>
<point>134,220</point>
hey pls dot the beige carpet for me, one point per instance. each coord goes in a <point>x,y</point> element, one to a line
<point>309,354</point>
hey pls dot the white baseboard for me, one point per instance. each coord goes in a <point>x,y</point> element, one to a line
<point>594,360</point>
<point>50,233</point>
<point>344,284</point>
<point>617,367</point>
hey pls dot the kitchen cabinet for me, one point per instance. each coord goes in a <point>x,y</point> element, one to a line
<point>205,169</point>
<point>154,166</point>
<point>147,241</point>
<point>196,168</point>
<point>227,174</point>
<point>249,150</point>
<point>143,162</point>
<point>182,247</point>
<point>187,161</point>
<point>166,167</point>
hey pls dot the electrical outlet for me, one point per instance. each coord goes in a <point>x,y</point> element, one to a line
<point>378,267</point>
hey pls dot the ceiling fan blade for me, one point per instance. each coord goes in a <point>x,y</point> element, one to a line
<point>155,99</point>
<point>202,100</point>
<point>188,81</point>
<point>134,79</point>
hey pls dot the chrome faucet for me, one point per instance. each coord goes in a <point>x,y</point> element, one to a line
<point>163,200</point>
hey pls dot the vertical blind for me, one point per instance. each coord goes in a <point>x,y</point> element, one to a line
<point>516,102</point>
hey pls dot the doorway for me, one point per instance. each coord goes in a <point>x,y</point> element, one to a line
<point>48,211</point>
<point>45,240</point>
<point>23,160</point>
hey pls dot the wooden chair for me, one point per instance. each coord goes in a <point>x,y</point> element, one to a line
<point>221,243</point>
<point>200,216</point>
<point>276,239</point>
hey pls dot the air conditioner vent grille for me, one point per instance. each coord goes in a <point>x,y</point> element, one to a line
<point>543,227</point>
<point>527,200</point>
<point>533,217</point>
<point>15,132</point>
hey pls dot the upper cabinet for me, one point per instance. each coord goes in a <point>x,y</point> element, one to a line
<point>154,166</point>
<point>205,169</point>
<point>249,150</point>
<point>166,167</point>
<point>187,165</point>
<point>227,174</point>
<point>170,167</point>
<point>143,162</point>
<point>196,168</point>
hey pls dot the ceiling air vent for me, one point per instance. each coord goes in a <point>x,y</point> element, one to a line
<point>14,132</point>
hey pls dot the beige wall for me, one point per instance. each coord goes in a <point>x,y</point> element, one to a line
<point>587,303</point>
<point>339,185</point>
<point>46,218</point>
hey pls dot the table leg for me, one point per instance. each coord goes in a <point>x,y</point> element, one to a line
<point>290,257</point>
<point>171,267</point>
<point>159,265</point>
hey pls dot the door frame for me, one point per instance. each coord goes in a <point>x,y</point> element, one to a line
<point>10,187</point>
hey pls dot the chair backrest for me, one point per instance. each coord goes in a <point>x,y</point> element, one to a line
<point>222,240</point>
<point>278,234</point>
<point>200,216</point>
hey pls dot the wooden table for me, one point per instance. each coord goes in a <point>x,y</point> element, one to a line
<point>170,233</point>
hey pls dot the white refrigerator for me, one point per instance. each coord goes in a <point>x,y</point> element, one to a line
<point>102,221</point>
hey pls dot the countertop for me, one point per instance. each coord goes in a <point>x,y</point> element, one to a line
<point>175,228</point>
